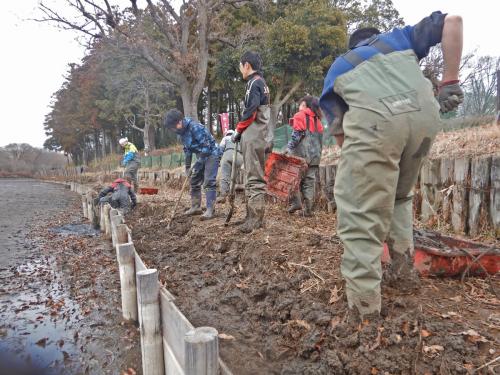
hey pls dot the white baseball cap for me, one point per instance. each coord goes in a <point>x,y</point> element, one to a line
<point>123,141</point>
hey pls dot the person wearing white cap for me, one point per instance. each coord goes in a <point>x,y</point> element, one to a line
<point>227,147</point>
<point>131,161</point>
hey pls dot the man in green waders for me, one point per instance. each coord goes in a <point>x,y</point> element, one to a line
<point>384,115</point>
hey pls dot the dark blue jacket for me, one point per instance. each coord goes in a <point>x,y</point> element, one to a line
<point>197,140</point>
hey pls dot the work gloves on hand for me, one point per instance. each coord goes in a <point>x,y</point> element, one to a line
<point>287,152</point>
<point>236,137</point>
<point>450,96</point>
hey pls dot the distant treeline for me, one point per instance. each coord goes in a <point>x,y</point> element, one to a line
<point>21,159</point>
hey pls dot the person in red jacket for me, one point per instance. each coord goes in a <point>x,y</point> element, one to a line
<point>307,143</point>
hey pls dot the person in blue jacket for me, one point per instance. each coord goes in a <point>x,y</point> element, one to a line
<point>384,115</point>
<point>197,140</point>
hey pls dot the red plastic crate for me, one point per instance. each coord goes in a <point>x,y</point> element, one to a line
<point>148,190</point>
<point>440,255</point>
<point>283,175</point>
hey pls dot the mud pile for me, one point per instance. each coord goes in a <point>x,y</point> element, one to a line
<point>277,298</point>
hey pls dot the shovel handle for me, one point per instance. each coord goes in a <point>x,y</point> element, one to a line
<point>232,186</point>
<point>184,184</point>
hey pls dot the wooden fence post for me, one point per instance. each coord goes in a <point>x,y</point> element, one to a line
<point>126,263</point>
<point>478,195</point>
<point>121,234</point>
<point>148,293</point>
<point>495,194</point>
<point>115,219</point>
<point>460,195</point>
<point>107,223</point>
<point>429,181</point>
<point>84,206</point>
<point>201,348</point>
<point>445,181</point>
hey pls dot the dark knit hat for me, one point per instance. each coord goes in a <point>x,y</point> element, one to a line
<point>172,118</point>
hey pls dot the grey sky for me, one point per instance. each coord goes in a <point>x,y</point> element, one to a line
<point>35,57</point>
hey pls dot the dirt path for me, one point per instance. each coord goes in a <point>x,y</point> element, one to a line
<point>277,295</point>
<point>59,289</point>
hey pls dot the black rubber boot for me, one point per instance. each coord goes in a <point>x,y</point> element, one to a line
<point>295,204</point>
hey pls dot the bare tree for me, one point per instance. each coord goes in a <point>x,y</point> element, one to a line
<point>480,89</point>
<point>174,43</point>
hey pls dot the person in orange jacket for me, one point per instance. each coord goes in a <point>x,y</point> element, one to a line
<point>307,143</point>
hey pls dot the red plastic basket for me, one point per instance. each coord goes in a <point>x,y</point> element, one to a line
<point>440,255</point>
<point>148,190</point>
<point>283,175</point>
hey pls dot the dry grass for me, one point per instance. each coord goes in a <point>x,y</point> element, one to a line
<point>475,141</point>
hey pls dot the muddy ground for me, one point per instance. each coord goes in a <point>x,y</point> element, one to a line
<point>59,288</point>
<point>277,296</point>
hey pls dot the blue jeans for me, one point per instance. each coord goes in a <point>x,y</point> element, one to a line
<point>205,172</point>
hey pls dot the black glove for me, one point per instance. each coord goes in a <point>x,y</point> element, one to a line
<point>236,137</point>
<point>450,96</point>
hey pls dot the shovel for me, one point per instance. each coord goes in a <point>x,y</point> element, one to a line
<point>184,184</point>
<point>232,186</point>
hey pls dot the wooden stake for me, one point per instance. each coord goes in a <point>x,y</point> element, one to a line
<point>150,322</point>
<point>201,347</point>
<point>107,223</point>
<point>121,234</point>
<point>126,263</point>
<point>84,206</point>
<point>478,195</point>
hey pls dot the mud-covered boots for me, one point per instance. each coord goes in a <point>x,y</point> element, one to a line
<point>222,198</point>
<point>195,204</point>
<point>308,208</point>
<point>255,216</point>
<point>295,204</point>
<point>210,212</point>
<point>401,273</point>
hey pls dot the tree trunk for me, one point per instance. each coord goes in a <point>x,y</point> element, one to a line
<point>209,111</point>
<point>189,105</point>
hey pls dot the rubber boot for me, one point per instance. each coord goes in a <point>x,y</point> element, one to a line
<point>295,204</point>
<point>401,273</point>
<point>255,218</point>
<point>222,197</point>
<point>308,207</point>
<point>242,221</point>
<point>195,204</point>
<point>210,212</point>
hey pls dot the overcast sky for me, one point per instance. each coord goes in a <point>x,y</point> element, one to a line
<point>35,57</point>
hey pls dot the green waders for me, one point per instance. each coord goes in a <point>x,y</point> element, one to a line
<point>253,144</point>
<point>389,128</point>
<point>309,148</point>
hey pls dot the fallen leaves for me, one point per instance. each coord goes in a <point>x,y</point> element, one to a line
<point>42,342</point>
<point>432,350</point>
<point>472,336</point>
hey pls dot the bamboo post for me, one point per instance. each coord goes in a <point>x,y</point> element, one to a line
<point>495,194</point>
<point>148,290</point>
<point>84,206</point>
<point>460,195</point>
<point>201,348</point>
<point>478,194</point>
<point>126,264</point>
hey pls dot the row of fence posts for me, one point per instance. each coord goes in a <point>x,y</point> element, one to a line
<point>140,298</point>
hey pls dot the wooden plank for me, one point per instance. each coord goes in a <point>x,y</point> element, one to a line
<point>461,173</point>
<point>172,366</point>
<point>478,195</point>
<point>495,195</point>
<point>174,325</point>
